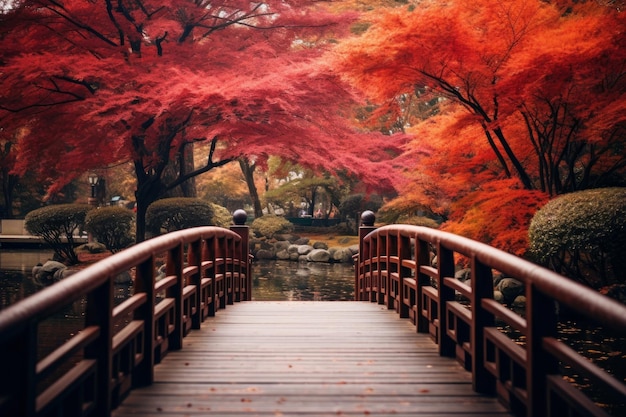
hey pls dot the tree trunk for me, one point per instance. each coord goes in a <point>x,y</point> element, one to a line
<point>248,173</point>
<point>8,187</point>
<point>149,188</point>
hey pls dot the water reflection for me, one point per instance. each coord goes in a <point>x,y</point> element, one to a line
<point>272,280</point>
<point>15,273</point>
<point>302,281</point>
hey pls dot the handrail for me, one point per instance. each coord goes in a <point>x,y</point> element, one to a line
<point>118,346</point>
<point>395,267</point>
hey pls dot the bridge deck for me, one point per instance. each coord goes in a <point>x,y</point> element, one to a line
<point>308,358</point>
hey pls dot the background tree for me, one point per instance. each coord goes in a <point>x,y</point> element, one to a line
<point>7,178</point>
<point>224,186</point>
<point>139,81</point>
<point>534,100</point>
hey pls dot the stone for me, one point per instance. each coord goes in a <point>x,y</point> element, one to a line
<point>510,288</point>
<point>265,254</point>
<point>283,254</point>
<point>343,255</point>
<point>318,255</point>
<point>320,245</point>
<point>50,267</point>
<point>286,236</point>
<point>49,272</point>
<point>281,245</point>
<point>520,301</point>
<point>463,274</point>
<point>123,278</point>
<point>304,249</point>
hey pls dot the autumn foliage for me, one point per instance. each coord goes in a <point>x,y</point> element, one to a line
<point>529,98</point>
<point>105,82</point>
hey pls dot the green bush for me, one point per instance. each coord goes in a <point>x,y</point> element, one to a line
<point>221,216</point>
<point>269,225</point>
<point>57,225</point>
<point>112,226</point>
<point>178,213</point>
<point>583,235</point>
<point>418,221</point>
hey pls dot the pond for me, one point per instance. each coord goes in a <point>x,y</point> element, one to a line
<point>272,280</point>
<point>302,281</point>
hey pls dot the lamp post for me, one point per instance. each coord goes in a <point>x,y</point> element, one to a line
<point>93,181</point>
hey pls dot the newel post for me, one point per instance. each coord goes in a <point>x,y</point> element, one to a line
<point>239,219</point>
<point>367,225</point>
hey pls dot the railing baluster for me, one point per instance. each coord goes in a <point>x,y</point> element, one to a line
<point>445,266</point>
<point>541,321</point>
<point>99,312</point>
<point>194,259</point>
<point>422,258</point>
<point>144,283</point>
<point>174,266</point>
<point>367,225</point>
<point>482,287</point>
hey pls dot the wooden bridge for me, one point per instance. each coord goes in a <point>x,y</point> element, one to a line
<point>420,342</point>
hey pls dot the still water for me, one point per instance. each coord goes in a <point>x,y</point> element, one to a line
<point>272,280</point>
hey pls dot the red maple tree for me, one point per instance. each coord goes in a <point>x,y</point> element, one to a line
<point>99,83</point>
<point>532,92</point>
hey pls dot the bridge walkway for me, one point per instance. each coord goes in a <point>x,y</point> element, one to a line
<point>308,358</point>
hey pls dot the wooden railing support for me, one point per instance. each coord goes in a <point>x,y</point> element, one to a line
<point>99,313</point>
<point>119,345</point>
<point>240,217</point>
<point>367,225</point>
<point>461,317</point>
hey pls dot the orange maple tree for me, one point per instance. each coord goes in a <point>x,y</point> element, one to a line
<point>532,103</point>
<point>100,83</point>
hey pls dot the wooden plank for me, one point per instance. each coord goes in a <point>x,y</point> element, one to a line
<point>308,358</point>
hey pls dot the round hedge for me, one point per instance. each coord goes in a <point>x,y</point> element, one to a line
<point>112,226</point>
<point>57,225</point>
<point>178,213</point>
<point>583,233</point>
<point>270,224</point>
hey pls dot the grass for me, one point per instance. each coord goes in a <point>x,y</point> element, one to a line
<point>331,239</point>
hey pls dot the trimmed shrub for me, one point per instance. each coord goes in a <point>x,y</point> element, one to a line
<point>583,235</point>
<point>419,221</point>
<point>170,214</point>
<point>221,216</point>
<point>57,226</point>
<point>270,224</point>
<point>112,226</point>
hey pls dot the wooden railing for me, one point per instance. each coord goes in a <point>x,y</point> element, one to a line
<point>396,267</point>
<point>118,346</point>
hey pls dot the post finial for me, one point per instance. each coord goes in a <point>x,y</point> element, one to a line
<point>368,218</point>
<point>239,217</point>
